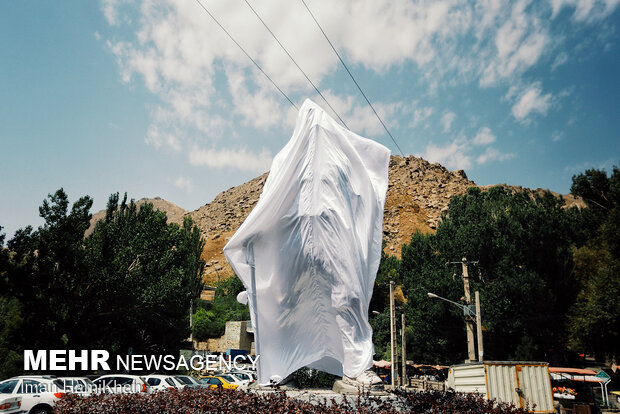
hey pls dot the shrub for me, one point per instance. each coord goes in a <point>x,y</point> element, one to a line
<point>229,401</point>
<point>312,378</point>
<point>206,325</point>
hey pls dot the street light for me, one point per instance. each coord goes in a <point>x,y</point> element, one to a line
<point>469,311</point>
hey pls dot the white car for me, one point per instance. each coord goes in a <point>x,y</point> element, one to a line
<point>160,382</point>
<point>234,380</point>
<point>121,384</point>
<point>38,393</point>
<point>189,382</point>
<point>248,377</point>
<point>78,385</point>
<point>10,405</point>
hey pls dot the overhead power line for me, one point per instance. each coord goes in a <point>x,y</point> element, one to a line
<point>246,53</point>
<point>298,67</point>
<point>352,77</point>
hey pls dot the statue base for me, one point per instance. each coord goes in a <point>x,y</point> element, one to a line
<point>342,387</point>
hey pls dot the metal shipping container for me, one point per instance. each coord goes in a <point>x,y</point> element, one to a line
<point>525,384</point>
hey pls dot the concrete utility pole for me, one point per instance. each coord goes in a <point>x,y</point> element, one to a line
<point>393,334</point>
<point>403,377</point>
<point>468,320</point>
<point>479,327</point>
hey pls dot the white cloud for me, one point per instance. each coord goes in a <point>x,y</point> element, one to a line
<point>556,136</point>
<point>606,165</point>
<point>241,159</point>
<point>585,10</point>
<point>420,115</point>
<point>363,120</point>
<point>184,183</point>
<point>158,138</point>
<point>530,100</point>
<point>453,155</point>
<point>446,121</point>
<point>492,154</point>
<point>110,11</point>
<point>560,59</point>
<point>519,44</point>
<point>484,137</point>
<point>205,86</point>
<point>260,109</point>
<point>460,153</point>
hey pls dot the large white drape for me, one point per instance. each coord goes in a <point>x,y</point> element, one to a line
<point>309,252</point>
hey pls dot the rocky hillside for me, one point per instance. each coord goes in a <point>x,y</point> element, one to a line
<point>174,213</point>
<point>418,192</point>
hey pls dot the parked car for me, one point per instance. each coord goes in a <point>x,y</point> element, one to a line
<point>234,380</point>
<point>121,384</point>
<point>189,382</point>
<point>158,382</point>
<point>38,393</point>
<point>244,376</point>
<point>78,385</point>
<point>10,405</point>
<point>216,382</point>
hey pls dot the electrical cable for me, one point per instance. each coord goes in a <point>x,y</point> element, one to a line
<point>353,78</point>
<point>298,67</point>
<point>246,53</point>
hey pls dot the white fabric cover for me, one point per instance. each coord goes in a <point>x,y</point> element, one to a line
<point>314,238</point>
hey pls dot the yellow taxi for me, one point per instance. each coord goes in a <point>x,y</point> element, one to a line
<point>217,382</point>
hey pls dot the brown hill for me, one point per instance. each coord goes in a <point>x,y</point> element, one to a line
<point>174,213</point>
<point>418,192</point>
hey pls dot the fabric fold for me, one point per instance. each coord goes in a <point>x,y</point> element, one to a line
<point>309,251</point>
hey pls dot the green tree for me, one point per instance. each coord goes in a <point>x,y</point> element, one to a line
<point>595,316</point>
<point>523,248</point>
<point>380,321</point>
<point>437,327</point>
<point>131,283</point>
<point>11,360</point>
<point>10,320</point>
<point>46,267</point>
<point>388,271</point>
<point>143,276</point>
<point>207,325</point>
<point>211,317</point>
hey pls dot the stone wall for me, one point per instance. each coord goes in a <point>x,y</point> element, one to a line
<point>236,336</point>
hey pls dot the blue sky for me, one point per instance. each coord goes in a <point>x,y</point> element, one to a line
<point>150,97</point>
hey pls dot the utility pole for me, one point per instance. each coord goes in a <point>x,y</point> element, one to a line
<point>393,334</point>
<point>479,328</point>
<point>403,377</point>
<point>191,322</point>
<point>468,320</point>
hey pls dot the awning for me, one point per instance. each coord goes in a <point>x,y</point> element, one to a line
<point>574,374</point>
<point>382,364</point>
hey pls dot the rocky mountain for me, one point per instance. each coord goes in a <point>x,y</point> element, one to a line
<point>174,213</point>
<point>418,192</point>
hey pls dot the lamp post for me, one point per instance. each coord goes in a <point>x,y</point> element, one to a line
<point>469,323</point>
<point>392,335</point>
<point>479,327</point>
<point>403,377</point>
<point>468,312</point>
<point>403,356</point>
